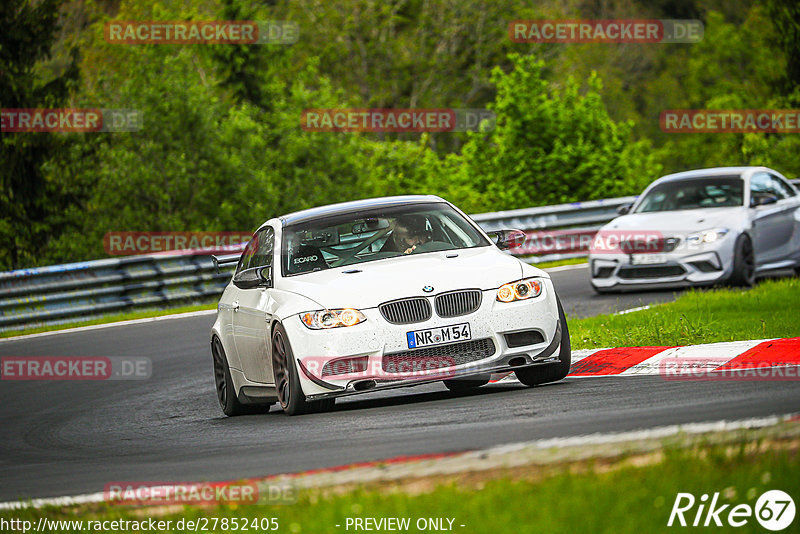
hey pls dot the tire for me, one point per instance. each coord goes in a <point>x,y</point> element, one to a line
<point>287,382</point>
<point>226,392</point>
<point>744,266</point>
<point>466,384</point>
<point>542,374</point>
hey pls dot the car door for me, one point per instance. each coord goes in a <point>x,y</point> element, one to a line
<point>790,227</point>
<point>225,310</point>
<point>773,224</point>
<point>250,316</point>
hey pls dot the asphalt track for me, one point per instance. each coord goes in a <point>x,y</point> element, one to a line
<point>68,438</point>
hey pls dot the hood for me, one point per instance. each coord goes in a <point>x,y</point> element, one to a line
<point>389,279</point>
<point>680,223</point>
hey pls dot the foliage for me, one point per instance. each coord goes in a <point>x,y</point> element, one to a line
<point>27,197</point>
<point>222,148</point>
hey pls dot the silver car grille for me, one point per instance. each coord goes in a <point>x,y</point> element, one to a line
<point>646,244</point>
<point>406,311</point>
<point>457,303</point>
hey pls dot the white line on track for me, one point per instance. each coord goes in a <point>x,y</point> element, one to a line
<point>565,267</point>
<point>631,310</point>
<point>112,325</point>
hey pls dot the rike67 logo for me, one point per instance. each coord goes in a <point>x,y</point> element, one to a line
<point>774,510</point>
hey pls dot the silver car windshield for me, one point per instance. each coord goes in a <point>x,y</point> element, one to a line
<point>375,234</point>
<point>697,193</point>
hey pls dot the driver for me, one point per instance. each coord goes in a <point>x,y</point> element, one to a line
<point>408,233</point>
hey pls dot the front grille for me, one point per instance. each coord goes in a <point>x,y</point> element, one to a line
<point>646,244</point>
<point>604,272</point>
<point>457,303</point>
<point>657,271</point>
<point>706,266</point>
<point>437,357</point>
<point>526,337</point>
<point>345,366</point>
<point>406,311</point>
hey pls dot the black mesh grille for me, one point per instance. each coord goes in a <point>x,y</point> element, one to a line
<point>457,303</point>
<point>438,356</point>
<point>406,311</point>
<point>604,272</point>
<point>660,271</point>
<point>646,243</point>
<point>705,266</point>
<point>526,337</point>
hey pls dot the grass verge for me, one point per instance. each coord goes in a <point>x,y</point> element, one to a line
<point>769,310</point>
<point>559,263</point>
<point>629,494</point>
<point>128,316</point>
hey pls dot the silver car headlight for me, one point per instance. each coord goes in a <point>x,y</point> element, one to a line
<point>520,290</point>
<point>706,236</point>
<point>324,319</point>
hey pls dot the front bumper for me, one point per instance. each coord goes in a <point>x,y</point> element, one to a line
<point>700,266</point>
<point>376,338</point>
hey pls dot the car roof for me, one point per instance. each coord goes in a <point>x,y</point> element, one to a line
<point>714,171</point>
<point>355,205</point>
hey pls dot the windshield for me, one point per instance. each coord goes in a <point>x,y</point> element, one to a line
<point>698,193</point>
<point>375,234</point>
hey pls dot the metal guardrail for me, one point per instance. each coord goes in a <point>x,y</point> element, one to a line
<point>580,217</point>
<point>62,294</point>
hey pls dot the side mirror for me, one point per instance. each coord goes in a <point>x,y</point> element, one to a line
<point>762,200</point>
<point>508,239</point>
<point>253,278</point>
<point>624,209</point>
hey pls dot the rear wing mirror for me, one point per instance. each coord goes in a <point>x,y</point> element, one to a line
<point>253,278</point>
<point>508,239</point>
<point>225,260</point>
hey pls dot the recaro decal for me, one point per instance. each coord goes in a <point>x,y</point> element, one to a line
<point>305,259</point>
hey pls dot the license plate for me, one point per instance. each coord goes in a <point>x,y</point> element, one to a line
<point>647,259</point>
<point>437,336</point>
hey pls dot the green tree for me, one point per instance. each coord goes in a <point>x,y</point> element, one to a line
<point>27,199</point>
<point>551,145</point>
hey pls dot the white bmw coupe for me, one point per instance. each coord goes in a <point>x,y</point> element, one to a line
<point>381,293</point>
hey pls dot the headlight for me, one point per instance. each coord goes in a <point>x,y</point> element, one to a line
<point>520,290</point>
<point>707,236</point>
<point>323,319</point>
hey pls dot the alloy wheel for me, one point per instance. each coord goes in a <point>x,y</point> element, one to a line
<point>280,368</point>
<point>219,373</point>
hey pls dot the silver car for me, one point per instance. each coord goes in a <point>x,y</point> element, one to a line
<point>702,227</point>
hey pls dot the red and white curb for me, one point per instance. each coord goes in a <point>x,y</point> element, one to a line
<point>647,361</point>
